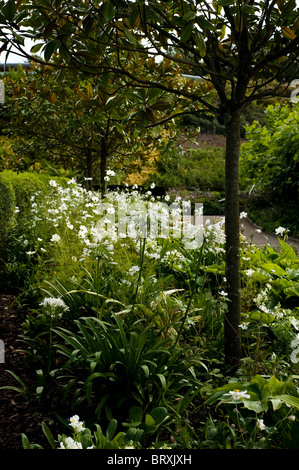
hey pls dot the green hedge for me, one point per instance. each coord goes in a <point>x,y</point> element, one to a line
<point>16,190</point>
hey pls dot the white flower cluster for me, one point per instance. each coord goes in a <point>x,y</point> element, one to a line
<point>70,443</point>
<point>262,298</point>
<point>74,214</point>
<point>295,352</point>
<point>54,307</point>
<point>108,174</point>
<point>214,236</point>
<point>76,423</point>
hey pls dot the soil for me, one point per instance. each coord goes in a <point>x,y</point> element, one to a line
<point>18,413</point>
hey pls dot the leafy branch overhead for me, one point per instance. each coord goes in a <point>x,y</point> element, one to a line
<point>230,43</point>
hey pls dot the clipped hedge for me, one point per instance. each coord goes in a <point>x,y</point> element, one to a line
<point>16,190</point>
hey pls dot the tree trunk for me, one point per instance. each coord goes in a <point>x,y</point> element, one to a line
<point>89,168</point>
<point>104,152</point>
<point>232,334</point>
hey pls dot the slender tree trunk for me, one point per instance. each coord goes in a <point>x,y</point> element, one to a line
<point>89,168</point>
<point>104,153</point>
<point>232,335</point>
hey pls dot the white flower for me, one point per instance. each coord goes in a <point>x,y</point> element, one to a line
<point>280,230</point>
<point>72,181</point>
<point>110,173</point>
<point>264,309</point>
<point>82,231</point>
<point>224,294</point>
<point>273,357</point>
<point>260,424</point>
<point>244,325</point>
<point>294,322</point>
<point>152,185</point>
<point>69,443</point>
<point>294,355</point>
<point>243,215</point>
<point>249,272</point>
<point>53,183</point>
<point>30,252</point>
<point>55,238</point>
<point>53,302</point>
<point>55,307</point>
<point>295,352</point>
<point>167,198</point>
<point>295,342</point>
<point>76,424</point>
<point>133,270</point>
<point>237,394</point>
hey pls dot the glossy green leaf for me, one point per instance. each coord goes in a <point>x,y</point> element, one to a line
<point>129,36</point>
<point>111,429</point>
<point>289,400</point>
<point>108,11</point>
<point>50,48</point>
<point>186,32</point>
<point>48,435</point>
<point>9,10</point>
<point>200,43</point>
<point>36,48</point>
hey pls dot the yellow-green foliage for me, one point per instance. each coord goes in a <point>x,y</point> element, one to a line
<point>16,190</point>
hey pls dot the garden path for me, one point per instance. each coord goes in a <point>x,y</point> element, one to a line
<point>249,230</point>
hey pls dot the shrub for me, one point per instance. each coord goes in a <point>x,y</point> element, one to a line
<point>197,168</point>
<point>270,164</point>
<point>16,192</point>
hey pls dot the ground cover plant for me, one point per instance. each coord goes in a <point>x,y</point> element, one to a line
<point>128,330</point>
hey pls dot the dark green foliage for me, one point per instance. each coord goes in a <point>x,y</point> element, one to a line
<point>113,368</point>
<point>194,169</point>
<point>270,166</point>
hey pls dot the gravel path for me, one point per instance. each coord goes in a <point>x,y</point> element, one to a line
<point>253,233</point>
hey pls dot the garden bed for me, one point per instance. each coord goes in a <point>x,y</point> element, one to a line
<point>18,414</point>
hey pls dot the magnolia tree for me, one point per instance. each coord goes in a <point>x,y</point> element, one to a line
<point>84,125</point>
<point>241,49</point>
